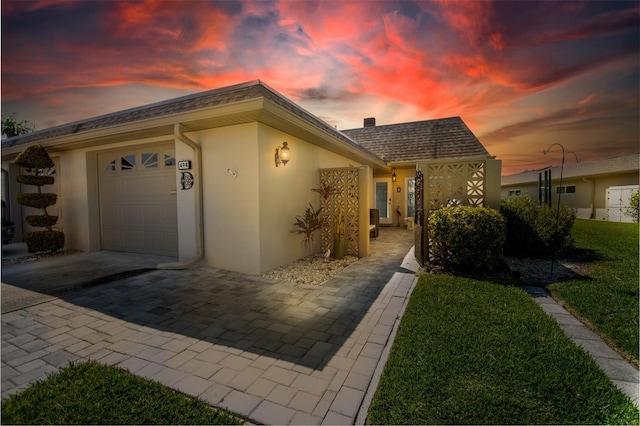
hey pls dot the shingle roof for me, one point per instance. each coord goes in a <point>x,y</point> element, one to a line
<point>190,103</point>
<point>626,164</point>
<point>240,92</point>
<point>419,140</point>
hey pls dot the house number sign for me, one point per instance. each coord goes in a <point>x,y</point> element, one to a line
<point>184,165</point>
<point>186,180</point>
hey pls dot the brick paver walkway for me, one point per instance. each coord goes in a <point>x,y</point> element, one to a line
<point>277,353</point>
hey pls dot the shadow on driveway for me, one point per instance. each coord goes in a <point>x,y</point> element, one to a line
<point>302,324</point>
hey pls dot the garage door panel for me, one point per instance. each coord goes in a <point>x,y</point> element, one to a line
<point>138,210</point>
<point>157,214</point>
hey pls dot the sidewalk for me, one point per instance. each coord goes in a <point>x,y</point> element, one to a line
<point>622,373</point>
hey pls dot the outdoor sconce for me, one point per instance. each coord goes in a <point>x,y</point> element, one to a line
<point>393,176</point>
<point>282,154</point>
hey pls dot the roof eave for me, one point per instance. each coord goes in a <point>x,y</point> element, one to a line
<point>237,112</point>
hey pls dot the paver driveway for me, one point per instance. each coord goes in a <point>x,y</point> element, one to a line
<point>275,352</point>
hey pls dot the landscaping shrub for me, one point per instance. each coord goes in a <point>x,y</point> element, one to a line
<point>38,241</point>
<point>38,166</point>
<point>634,206</point>
<point>35,200</point>
<point>42,221</point>
<point>531,229</point>
<point>35,180</point>
<point>466,239</point>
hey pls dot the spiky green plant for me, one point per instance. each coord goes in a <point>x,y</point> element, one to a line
<point>308,225</point>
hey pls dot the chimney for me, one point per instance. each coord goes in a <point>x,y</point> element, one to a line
<point>370,122</point>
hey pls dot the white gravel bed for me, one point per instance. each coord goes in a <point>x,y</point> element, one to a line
<point>310,270</point>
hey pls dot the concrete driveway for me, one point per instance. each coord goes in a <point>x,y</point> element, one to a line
<point>275,352</point>
<point>31,281</point>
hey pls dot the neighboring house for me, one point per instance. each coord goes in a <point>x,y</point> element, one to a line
<point>590,188</point>
<point>195,178</point>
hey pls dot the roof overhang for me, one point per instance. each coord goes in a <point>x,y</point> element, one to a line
<point>258,109</point>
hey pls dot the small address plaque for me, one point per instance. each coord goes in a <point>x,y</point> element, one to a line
<point>184,165</point>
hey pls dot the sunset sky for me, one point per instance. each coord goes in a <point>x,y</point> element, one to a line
<point>522,75</point>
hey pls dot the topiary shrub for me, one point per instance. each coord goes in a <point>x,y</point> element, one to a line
<point>38,164</point>
<point>466,239</point>
<point>38,241</point>
<point>531,229</point>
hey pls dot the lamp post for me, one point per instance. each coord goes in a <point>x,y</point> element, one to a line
<point>564,153</point>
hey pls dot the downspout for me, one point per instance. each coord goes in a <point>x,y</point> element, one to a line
<point>197,150</point>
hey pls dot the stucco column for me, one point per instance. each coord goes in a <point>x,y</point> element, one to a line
<point>365,182</point>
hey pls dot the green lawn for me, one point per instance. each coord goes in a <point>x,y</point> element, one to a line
<point>470,351</point>
<point>608,298</point>
<point>91,393</point>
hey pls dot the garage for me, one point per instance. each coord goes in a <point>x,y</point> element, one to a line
<point>138,211</point>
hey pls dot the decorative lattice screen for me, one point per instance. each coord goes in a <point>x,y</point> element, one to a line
<point>454,184</point>
<point>445,184</point>
<point>345,201</point>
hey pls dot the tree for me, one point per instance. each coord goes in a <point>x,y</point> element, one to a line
<point>38,166</point>
<point>12,127</point>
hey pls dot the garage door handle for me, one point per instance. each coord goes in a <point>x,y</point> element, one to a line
<point>173,192</point>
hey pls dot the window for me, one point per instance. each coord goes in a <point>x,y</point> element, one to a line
<point>111,166</point>
<point>169,160</point>
<point>411,197</point>
<point>128,162</point>
<point>569,189</point>
<point>149,160</point>
<point>515,192</point>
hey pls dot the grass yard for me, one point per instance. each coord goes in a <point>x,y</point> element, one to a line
<point>470,351</point>
<point>608,299</point>
<point>91,393</point>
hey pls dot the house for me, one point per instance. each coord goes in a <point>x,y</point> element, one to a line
<point>586,187</point>
<point>448,152</point>
<point>214,178</point>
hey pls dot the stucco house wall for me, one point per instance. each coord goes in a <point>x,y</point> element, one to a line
<point>240,212</point>
<point>591,181</point>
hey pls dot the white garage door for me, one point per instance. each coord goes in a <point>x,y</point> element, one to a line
<point>137,200</point>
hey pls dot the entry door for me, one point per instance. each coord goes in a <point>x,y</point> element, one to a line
<point>382,195</point>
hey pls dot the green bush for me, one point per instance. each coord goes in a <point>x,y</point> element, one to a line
<point>634,206</point>
<point>42,221</point>
<point>466,239</point>
<point>35,180</point>
<point>38,165</point>
<point>34,157</point>
<point>536,231</point>
<point>35,200</point>
<point>38,241</point>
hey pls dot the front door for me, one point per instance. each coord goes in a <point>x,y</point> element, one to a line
<point>382,194</point>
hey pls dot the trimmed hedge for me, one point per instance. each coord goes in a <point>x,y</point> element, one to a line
<point>466,239</point>
<point>36,160</point>
<point>38,241</point>
<point>42,221</point>
<point>531,229</point>
<point>37,201</point>
<point>34,157</point>
<point>35,180</point>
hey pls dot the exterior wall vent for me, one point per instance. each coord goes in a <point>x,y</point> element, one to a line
<point>370,122</point>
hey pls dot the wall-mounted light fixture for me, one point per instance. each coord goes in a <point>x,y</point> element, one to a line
<point>393,176</point>
<point>283,154</point>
